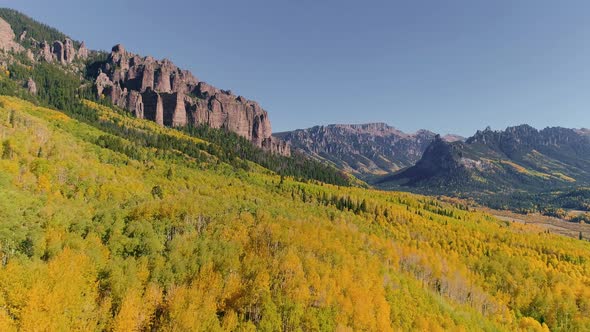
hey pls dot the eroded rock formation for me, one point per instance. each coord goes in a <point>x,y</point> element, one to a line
<point>155,89</point>
<point>160,91</point>
<point>31,86</point>
<point>62,52</point>
<point>7,42</point>
<point>45,52</point>
<point>58,51</point>
<point>83,51</point>
<point>69,51</point>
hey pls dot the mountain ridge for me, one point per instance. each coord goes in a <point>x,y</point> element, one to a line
<point>519,158</point>
<point>366,150</point>
<point>148,88</point>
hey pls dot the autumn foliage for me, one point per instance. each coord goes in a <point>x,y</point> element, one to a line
<point>93,238</point>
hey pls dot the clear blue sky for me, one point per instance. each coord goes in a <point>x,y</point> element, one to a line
<point>448,66</point>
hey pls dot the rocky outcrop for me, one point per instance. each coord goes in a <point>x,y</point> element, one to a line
<point>69,51</point>
<point>83,51</point>
<point>58,51</point>
<point>45,52</point>
<point>31,86</point>
<point>102,82</point>
<point>441,161</point>
<point>157,90</point>
<point>153,106</point>
<point>162,92</point>
<point>62,52</point>
<point>278,146</point>
<point>135,104</point>
<point>30,56</point>
<point>7,36</point>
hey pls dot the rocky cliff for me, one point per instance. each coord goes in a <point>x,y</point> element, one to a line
<point>150,89</point>
<point>160,91</point>
<point>60,51</point>
<point>365,150</point>
<point>7,42</point>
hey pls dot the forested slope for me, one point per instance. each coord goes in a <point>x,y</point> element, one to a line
<point>99,232</point>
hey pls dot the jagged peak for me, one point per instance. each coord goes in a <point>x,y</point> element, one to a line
<point>119,48</point>
<point>160,91</point>
<point>372,128</point>
<point>366,127</point>
<point>524,130</point>
<point>521,128</point>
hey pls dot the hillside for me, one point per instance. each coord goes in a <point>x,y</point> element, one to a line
<point>148,88</point>
<point>495,165</point>
<point>96,223</point>
<point>366,150</point>
<point>62,80</point>
<point>20,23</point>
<point>135,197</point>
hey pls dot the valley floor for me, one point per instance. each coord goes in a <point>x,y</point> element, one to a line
<point>551,224</point>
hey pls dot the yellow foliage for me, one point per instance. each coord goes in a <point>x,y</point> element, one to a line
<point>43,184</point>
<point>193,308</point>
<point>65,298</point>
<point>226,249</point>
<point>564,177</point>
<point>6,323</point>
<point>524,170</point>
<point>138,310</point>
<point>531,325</point>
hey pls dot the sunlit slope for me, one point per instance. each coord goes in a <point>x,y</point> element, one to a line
<point>99,231</point>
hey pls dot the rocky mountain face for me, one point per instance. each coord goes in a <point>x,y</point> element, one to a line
<point>160,91</point>
<point>513,142</point>
<point>62,51</point>
<point>440,157</point>
<point>150,89</point>
<point>518,158</point>
<point>7,38</point>
<point>366,150</point>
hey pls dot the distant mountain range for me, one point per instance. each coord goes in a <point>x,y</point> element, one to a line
<point>491,166</point>
<point>365,150</point>
<point>520,158</point>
